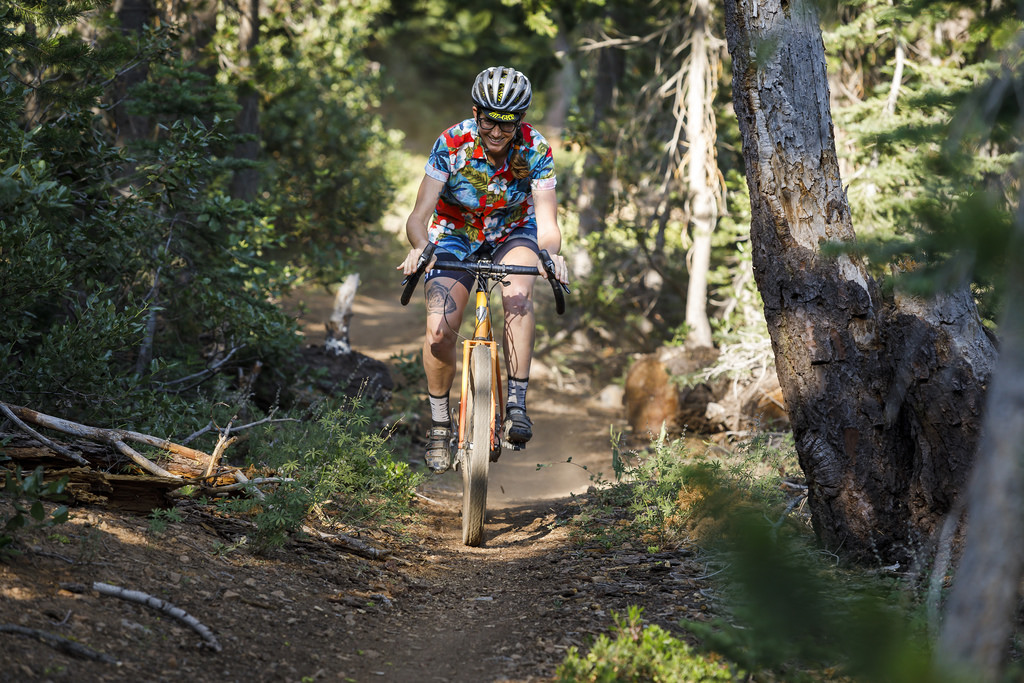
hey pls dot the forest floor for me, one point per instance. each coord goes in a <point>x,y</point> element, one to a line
<point>430,609</point>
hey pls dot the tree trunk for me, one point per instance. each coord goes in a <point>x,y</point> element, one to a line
<point>245,183</point>
<point>133,15</point>
<point>702,174</point>
<point>885,397</point>
<point>983,606</point>
<point>595,187</point>
<point>565,89</point>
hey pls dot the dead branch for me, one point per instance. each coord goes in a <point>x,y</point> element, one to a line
<point>110,436</point>
<point>247,483</point>
<point>337,342</point>
<point>206,372</point>
<point>352,545</point>
<point>42,439</point>
<point>222,443</point>
<point>244,481</point>
<point>163,606</point>
<point>140,460</point>
<point>269,419</point>
<point>429,500</point>
<point>61,643</point>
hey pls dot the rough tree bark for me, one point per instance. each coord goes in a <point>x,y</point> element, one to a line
<point>885,396</point>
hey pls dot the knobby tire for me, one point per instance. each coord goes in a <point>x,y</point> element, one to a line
<point>478,456</point>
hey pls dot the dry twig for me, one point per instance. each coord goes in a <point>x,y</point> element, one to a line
<point>148,600</point>
<point>59,642</point>
<point>353,545</point>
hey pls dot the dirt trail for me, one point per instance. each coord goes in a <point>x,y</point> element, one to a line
<point>568,423</point>
<point>431,610</point>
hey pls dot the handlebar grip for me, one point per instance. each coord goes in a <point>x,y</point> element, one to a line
<point>556,285</point>
<point>413,279</point>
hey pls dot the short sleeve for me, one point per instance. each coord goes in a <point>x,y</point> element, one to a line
<point>542,175</point>
<point>439,162</point>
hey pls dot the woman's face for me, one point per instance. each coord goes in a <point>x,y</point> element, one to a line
<point>495,140</point>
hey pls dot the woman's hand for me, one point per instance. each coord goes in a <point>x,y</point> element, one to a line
<point>408,266</point>
<point>560,268</point>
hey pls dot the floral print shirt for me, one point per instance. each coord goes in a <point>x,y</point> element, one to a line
<point>479,201</point>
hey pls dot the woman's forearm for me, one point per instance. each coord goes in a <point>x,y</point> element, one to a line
<point>545,206</point>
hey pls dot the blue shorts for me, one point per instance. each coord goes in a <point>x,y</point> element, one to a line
<point>458,248</point>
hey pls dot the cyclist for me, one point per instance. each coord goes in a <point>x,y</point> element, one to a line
<point>488,191</point>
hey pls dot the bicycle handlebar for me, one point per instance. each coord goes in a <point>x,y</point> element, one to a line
<point>486,268</point>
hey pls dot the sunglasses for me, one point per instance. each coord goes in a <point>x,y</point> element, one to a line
<point>487,124</point>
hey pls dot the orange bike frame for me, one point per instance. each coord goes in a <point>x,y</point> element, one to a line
<point>481,337</point>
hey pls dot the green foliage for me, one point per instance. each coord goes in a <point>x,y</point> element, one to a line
<point>787,610</point>
<point>123,268</point>
<point>933,164</point>
<point>330,162</point>
<point>642,653</point>
<point>793,612</point>
<point>27,493</point>
<point>337,462</point>
<point>442,46</point>
<point>630,143</point>
<point>662,495</point>
<point>160,518</point>
<point>128,270</point>
<point>276,516</point>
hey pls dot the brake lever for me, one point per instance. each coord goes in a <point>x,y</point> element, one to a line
<point>549,266</point>
<point>425,255</point>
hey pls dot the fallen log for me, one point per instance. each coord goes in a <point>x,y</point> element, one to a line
<point>115,437</point>
<point>129,492</point>
<point>139,493</point>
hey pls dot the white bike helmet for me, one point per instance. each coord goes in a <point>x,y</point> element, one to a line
<point>502,88</point>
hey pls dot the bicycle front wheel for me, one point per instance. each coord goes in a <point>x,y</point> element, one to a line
<point>478,456</point>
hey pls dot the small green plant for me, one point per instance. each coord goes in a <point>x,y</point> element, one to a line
<point>642,503</point>
<point>276,515</point>
<point>642,653</point>
<point>27,492</point>
<point>160,518</point>
<point>224,549</point>
<point>337,462</point>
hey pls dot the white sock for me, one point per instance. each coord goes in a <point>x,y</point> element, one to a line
<point>440,413</point>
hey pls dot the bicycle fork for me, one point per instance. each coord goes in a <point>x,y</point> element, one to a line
<point>481,337</point>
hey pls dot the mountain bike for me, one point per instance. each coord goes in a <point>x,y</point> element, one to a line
<point>482,402</point>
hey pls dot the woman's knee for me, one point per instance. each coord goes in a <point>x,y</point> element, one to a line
<point>440,339</point>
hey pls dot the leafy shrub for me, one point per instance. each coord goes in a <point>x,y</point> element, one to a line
<point>337,462</point>
<point>642,653</point>
<point>788,610</point>
<point>27,493</point>
<point>127,266</point>
<point>663,494</point>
